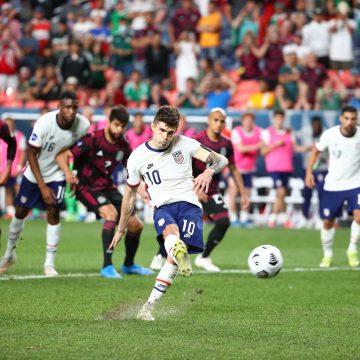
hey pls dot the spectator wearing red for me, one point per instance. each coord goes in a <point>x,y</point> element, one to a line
<point>185,18</point>
<point>248,55</point>
<point>41,28</point>
<point>313,75</point>
<point>10,54</point>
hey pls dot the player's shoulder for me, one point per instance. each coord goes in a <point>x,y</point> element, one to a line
<point>47,118</point>
<point>138,153</point>
<point>82,120</point>
<point>200,135</point>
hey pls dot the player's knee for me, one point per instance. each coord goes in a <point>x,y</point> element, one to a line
<point>135,225</point>
<point>328,224</point>
<point>20,212</point>
<point>223,224</point>
<point>53,215</point>
<point>108,213</point>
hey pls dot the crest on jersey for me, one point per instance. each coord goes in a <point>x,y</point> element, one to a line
<point>178,157</point>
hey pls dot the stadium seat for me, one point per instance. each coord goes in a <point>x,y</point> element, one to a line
<point>262,197</point>
<point>35,104</point>
<point>245,89</point>
<point>295,198</point>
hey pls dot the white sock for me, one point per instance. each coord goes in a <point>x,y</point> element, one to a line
<point>354,236</point>
<point>244,216</point>
<point>163,281</point>
<point>233,216</point>
<point>52,241</point>
<point>169,245</point>
<point>15,229</point>
<point>282,218</point>
<point>273,218</point>
<point>327,237</point>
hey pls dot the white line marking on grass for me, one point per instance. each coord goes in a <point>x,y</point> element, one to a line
<point>202,272</point>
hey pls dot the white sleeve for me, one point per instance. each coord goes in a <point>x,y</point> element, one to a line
<point>22,143</point>
<point>38,133</point>
<point>133,176</point>
<point>190,145</point>
<point>235,137</point>
<point>265,136</point>
<point>323,142</point>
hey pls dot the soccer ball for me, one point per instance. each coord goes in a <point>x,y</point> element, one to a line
<point>265,261</point>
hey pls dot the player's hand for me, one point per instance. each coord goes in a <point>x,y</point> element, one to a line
<point>245,202</point>
<point>72,181</point>
<point>309,180</point>
<point>202,182</point>
<point>279,143</point>
<point>116,239</point>
<point>48,196</point>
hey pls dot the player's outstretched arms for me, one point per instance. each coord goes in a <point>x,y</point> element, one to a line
<point>127,207</point>
<point>309,177</point>
<point>216,163</point>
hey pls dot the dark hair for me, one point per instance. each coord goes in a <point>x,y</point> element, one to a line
<point>279,112</point>
<point>68,95</point>
<point>348,108</point>
<point>119,113</point>
<point>169,115</point>
<point>316,118</point>
<point>138,114</point>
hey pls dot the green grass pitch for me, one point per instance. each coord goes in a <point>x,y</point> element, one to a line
<point>297,315</point>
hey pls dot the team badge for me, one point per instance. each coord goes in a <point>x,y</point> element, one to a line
<point>178,157</point>
<point>23,199</point>
<point>119,155</point>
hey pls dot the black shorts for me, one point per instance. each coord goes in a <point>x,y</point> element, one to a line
<point>94,200</point>
<point>215,208</point>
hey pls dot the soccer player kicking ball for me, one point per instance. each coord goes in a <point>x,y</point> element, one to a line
<point>165,164</point>
<point>213,202</point>
<point>43,183</point>
<point>342,183</point>
<point>96,156</point>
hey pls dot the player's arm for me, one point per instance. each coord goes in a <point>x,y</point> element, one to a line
<point>127,208</point>
<point>265,149</point>
<point>216,163</point>
<point>46,192</point>
<point>11,151</point>
<point>63,161</point>
<point>245,202</point>
<point>313,158</point>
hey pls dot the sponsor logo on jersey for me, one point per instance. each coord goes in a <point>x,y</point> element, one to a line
<point>100,153</point>
<point>178,157</point>
<point>150,166</point>
<point>101,199</point>
<point>161,222</point>
<point>33,137</point>
<point>119,155</point>
<point>107,163</point>
<point>79,143</point>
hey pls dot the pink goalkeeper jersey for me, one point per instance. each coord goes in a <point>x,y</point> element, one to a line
<point>21,145</point>
<point>245,162</point>
<point>135,139</point>
<point>281,158</point>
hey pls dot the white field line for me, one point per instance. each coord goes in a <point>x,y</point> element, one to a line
<point>229,271</point>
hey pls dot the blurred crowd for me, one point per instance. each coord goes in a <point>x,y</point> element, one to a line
<point>190,53</point>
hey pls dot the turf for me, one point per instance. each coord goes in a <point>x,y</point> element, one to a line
<point>297,315</point>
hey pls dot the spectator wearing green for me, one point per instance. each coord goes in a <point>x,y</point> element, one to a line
<point>121,49</point>
<point>136,90</point>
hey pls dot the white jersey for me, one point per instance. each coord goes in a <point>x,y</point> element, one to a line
<point>167,173</point>
<point>51,139</point>
<point>344,159</point>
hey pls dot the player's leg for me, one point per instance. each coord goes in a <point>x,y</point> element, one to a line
<point>15,228</point>
<point>354,207</point>
<point>217,210</point>
<point>53,232</point>
<point>244,213</point>
<point>233,195</point>
<point>330,208</point>
<point>53,227</point>
<point>168,272</point>
<point>109,213</point>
